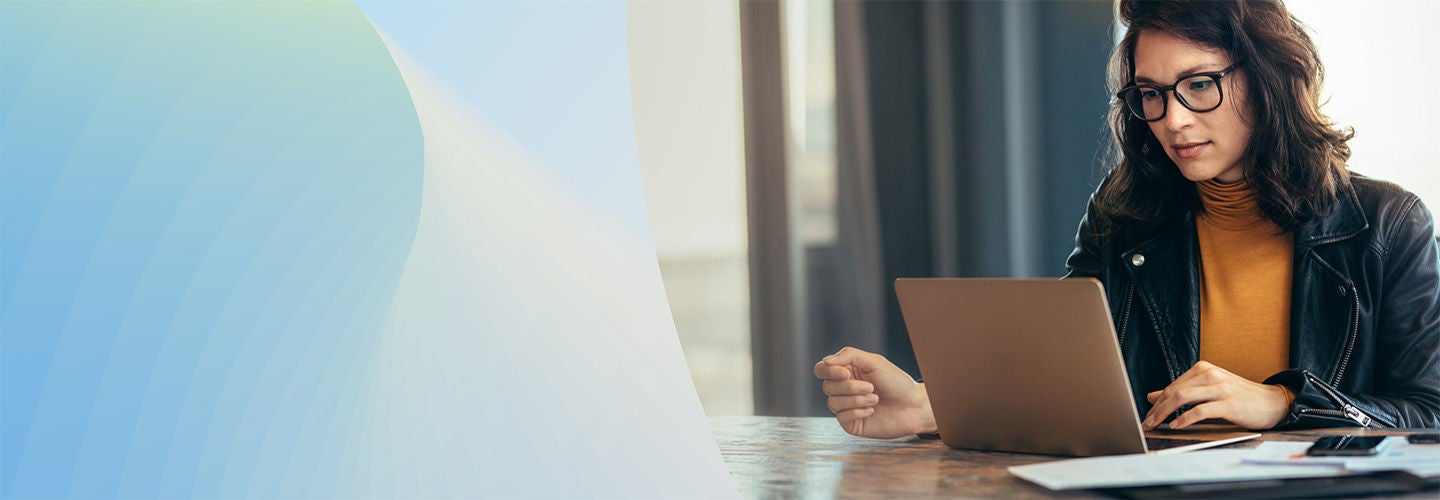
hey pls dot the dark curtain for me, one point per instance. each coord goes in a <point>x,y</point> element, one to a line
<point>969,138</point>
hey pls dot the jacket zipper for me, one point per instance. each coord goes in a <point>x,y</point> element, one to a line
<point>1352,414</point>
<point>1154,324</point>
<point>1346,409</point>
<point>1350,340</point>
<point>1125,315</point>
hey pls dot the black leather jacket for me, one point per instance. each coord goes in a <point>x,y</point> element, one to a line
<point>1364,319</point>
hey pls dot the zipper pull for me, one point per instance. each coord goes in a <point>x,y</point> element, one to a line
<point>1348,409</point>
<point>1358,416</point>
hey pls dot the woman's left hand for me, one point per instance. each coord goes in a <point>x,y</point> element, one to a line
<point>1214,392</point>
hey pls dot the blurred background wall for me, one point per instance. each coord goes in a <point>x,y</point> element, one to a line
<point>799,156</point>
<point>685,88</point>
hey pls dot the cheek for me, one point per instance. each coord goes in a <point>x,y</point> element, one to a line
<point>1241,137</point>
<point>1238,117</point>
<point>1157,130</point>
<point>1161,136</point>
<point>1236,128</point>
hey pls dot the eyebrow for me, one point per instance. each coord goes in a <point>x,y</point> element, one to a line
<point>1198,68</point>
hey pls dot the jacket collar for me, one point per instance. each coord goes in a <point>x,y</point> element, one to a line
<point>1346,219</point>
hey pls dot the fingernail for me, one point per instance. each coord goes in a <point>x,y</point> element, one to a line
<point>872,399</point>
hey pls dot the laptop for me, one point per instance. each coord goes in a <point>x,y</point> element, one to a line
<point>1030,366</point>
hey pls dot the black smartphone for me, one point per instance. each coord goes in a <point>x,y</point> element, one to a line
<point>1346,446</point>
<point>1424,438</point>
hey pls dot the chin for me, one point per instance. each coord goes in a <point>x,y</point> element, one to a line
<point>1198,172</point>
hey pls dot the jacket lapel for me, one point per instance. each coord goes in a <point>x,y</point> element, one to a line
<point>1165,269</point>
<point>1324,305</point>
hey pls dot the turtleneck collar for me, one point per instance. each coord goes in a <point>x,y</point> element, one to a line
<point>1231,207</point>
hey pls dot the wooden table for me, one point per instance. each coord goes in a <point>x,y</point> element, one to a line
<point>787,457</point>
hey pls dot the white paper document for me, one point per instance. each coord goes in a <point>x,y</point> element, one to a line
<point>1147,470</point>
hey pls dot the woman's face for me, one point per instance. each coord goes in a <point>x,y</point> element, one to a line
<point>1207,145</point>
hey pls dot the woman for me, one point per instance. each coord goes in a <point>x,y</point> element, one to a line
<point>1251,277</point>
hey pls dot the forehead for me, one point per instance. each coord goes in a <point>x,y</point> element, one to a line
<point>1162,57</point>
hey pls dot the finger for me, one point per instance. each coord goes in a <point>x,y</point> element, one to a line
<point>1164,406</point>
<point>1196,371</point>
<point>861,360</point>
<point>1212,374</point>
<point>845,357</point>
<point>832,371</point>
<point>1161,405</point>
<point>853,421</point>
<point>1154,417</point>
<point>839,404</point>
<point>1173,397</point>
<point>847,387</point>
<point>1201,373</point>
<point>1214,409</point>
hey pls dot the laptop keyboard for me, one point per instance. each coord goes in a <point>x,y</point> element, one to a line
<point>1156,443</point>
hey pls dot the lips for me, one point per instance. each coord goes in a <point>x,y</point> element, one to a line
<point>1189,150</point>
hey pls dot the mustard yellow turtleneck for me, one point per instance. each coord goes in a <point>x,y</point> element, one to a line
<point>1247,264</point>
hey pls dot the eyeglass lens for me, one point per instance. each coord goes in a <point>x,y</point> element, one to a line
<point>1200,93</point>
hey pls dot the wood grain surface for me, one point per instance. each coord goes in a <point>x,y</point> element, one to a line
<point>812,457</point>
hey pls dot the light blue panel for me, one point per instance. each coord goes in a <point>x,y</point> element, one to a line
<point>530,352</point>
<point>552,74</point>
<point>217,279</point>
<point>204,210</point>
<point>532,305</point>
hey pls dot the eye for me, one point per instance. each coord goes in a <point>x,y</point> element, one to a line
<point>1149,94</point>
<point>1201,84</point>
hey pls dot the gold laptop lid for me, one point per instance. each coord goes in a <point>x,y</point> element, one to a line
<point>1023,365</point>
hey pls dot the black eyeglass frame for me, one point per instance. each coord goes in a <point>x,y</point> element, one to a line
<point>1214,76</point>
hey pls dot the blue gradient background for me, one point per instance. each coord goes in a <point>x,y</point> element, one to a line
<point>564,56</point>
<point>223,272</point>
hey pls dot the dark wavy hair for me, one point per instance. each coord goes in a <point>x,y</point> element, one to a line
<point>1296,156</point>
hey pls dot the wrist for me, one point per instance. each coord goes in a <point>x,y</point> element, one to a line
<point>1289,397</point>
<point>1286,400</point>
<point>925,423</point>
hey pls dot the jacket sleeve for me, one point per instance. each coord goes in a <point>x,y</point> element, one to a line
<point>1407,328</point>
<point>1084,261</point>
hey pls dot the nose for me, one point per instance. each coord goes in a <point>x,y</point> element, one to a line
<point>1177,116</point>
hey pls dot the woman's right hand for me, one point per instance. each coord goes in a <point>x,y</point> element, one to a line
<point>871,397</point>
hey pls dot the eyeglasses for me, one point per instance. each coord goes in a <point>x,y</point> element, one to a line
<point>1199,92</point>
